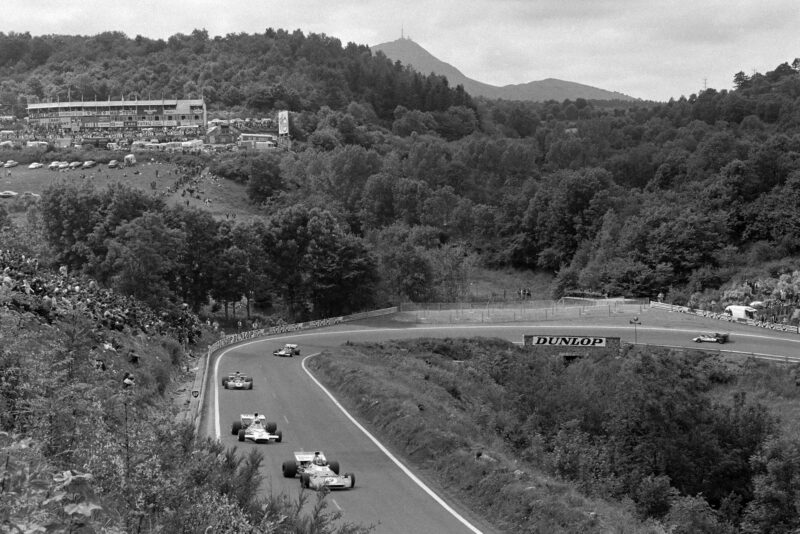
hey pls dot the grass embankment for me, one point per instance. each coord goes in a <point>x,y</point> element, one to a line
<point>439,415</point>
<point>532,445</point>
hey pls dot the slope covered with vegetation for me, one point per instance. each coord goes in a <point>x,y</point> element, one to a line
<point>91,438</point>
<point>640,441</point>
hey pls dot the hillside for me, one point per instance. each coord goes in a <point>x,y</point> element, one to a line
<point>410,53</point>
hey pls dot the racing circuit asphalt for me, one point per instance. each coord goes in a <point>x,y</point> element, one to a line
<point>386,493</point>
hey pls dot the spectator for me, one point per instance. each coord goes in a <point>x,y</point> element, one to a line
<point>128,380</point>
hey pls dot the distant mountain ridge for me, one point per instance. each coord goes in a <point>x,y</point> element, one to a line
<point>410,53</point>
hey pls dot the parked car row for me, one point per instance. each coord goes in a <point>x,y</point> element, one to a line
<point>63,165</point>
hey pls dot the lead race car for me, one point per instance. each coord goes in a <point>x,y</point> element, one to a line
<point>254,427</point>
<point>287,351</point>
<point>714,337</point>
<point>316,472</point>
<point>237,381</point>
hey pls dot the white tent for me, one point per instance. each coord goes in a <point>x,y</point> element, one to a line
<point>741,312</point>
<point>130,159</point>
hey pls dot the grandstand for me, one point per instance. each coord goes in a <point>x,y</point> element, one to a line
<point>118,115</point>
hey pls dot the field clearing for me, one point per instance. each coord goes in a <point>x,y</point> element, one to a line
<point>226,197</point>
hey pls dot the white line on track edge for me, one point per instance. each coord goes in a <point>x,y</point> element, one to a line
<point>398,463</point>
<point>385,451</point>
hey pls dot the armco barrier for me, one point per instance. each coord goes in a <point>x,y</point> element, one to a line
<point>725,317</point>
<point>196,403</point>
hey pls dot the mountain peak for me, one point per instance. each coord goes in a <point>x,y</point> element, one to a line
<point>408,52</point>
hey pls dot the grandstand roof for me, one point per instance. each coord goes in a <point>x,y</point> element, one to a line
<point>116,103</point>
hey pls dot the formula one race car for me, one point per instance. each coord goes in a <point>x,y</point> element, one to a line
<point>316,472</point>
<point>237,381</point>
<point>255,427</point>
<point>288,350</point>
<point>711,338</point>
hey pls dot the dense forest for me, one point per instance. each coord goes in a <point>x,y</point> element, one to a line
<point>679,198</point>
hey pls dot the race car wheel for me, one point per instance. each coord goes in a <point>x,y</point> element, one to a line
<point>236,427</point>
<point>289,469</point>
<point>250,385</point>
<point>280,436</point>
<point>241,435</point>
<point>271,427</point>
<point>334,467</point>
<point>352,479</point>
<point>225,383</point>
<point>305,480</point>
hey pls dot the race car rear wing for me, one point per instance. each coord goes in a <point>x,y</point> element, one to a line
<point>303,456</point>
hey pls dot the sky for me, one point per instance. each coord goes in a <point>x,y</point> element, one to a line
<point>642,48</point>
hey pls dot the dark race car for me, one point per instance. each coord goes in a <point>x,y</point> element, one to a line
<point>237,381</point>
<point>287,351</point>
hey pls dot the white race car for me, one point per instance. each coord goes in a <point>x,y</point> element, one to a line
<point>254,427</point>
<point>711,338</point>
<point>287,351</point>
<point>316,472</point>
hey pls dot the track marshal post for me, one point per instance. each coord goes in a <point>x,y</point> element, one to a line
<point>635,322</point>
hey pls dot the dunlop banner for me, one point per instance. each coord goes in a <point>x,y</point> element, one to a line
<point>564,341</point>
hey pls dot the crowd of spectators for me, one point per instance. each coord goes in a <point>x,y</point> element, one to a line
<point>51,295</point>
<point>191,181</point>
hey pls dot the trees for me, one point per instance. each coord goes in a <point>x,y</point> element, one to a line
<point>774,507</point>
<point>315,266</point>
<point>195,274</point>
<point>144,255</point>
<point>264,177</point>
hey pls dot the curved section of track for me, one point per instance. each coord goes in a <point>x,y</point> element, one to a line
<point>386,495</point>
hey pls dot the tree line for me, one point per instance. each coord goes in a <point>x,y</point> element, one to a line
<point>261,72</point>
<point>616,198</point>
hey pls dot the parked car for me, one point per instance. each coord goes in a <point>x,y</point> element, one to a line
<point>113,164</point>
<point>10,163</point>
<point>8,194</point>
<point>75,164</point>
<point>89,164</point>
<point>35,165</point>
